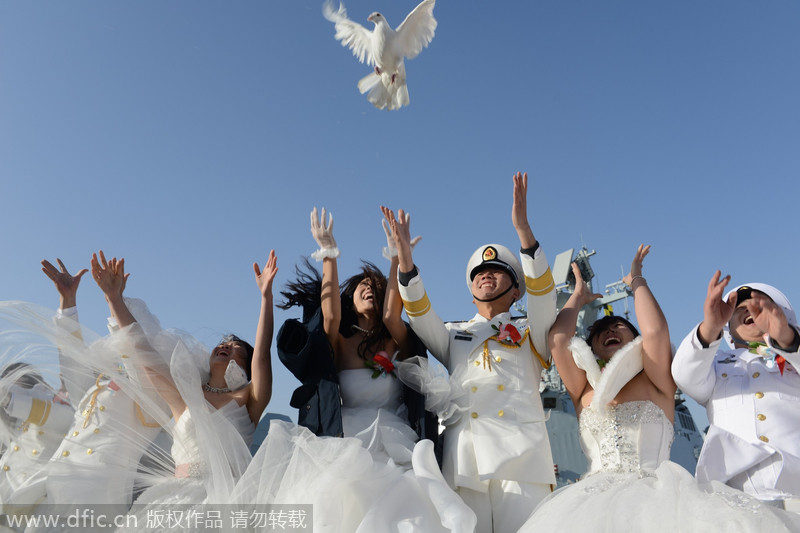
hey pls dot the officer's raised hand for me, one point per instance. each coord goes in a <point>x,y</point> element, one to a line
<point>519,211</point>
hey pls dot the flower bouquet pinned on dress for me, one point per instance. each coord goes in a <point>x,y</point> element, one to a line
<point>381,365</point>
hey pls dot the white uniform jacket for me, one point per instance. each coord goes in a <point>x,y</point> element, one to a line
<point>97,460</point>
<point>39,425</point>
<point>502,433</point>
<point>754,413</point>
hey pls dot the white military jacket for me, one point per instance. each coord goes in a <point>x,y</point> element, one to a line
<point>39,425</point>
<point>754,412</point>
<point>501,433</point>
<point>97,460</point>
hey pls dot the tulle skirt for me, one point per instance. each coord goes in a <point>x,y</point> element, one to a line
<point>348,489</point>
<point>668,500</point>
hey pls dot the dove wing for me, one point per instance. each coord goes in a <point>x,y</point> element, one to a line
<point>416,31</point>
<point>351,34</point>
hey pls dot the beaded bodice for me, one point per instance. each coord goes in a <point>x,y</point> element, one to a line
<point>633,437</point>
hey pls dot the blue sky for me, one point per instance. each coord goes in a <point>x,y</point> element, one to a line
<point>192,137</point>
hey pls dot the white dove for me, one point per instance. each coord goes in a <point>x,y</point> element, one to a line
<point>385,48</point>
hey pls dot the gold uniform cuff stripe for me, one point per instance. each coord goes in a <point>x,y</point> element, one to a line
<point>418,308</point>
<point>541,285</point>
<point>40,411</point>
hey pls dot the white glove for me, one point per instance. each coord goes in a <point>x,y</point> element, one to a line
<point>390,251</point>
<point>323,234</point>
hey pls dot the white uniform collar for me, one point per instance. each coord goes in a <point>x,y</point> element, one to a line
<point>502,317</point>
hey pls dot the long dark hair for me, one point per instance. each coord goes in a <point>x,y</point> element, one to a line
<point>306,291</point>
<point>374,339</point>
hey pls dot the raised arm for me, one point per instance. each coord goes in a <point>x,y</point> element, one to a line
<point>716,311</point>
<point>261,369</point>
<point>693,366</point>
<point>66,284</point>
<point>561,333</point>
<point>519,211</point>
<point>393,303</point>
<point>330,299</point>
<point>74,380</point>
<point>423,319</point>
<point>656,349</point>
<point>539,284</point>
<point>111,278</point>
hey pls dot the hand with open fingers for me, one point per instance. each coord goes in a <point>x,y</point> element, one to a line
<point>264,278</point>
<point>519,211</point>
<point>770,318</point>
<point>66,284</point>
<point>716,311</point>
<point>323,234</point>
<point>390,250</point>
<point>109,274</point>
<point>581,292</point>
<point>636,266</point>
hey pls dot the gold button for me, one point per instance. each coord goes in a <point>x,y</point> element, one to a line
<point>761,417</point>
<point>74,433</point>
<point>16,448</point>
<point>759,395</point>
<point>474,389</point>
<point>5,467</point>
<point>474,415</point>
<point>724,375</point>
<point>89,451</point>
<point>756,374</point>
<point>501,387</point>
<point>124,356</point>
<point>97,430</point>
<point>498,359</point>
<point>65,453</point>
<point>102,408</point>
<point>41,432</point>
<point>477,363</point>
<point>763,438</point>
<point>25,429</point>
<point>500,412</point>
<point>35,452</point>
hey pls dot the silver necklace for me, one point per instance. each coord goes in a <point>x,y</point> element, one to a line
<point>218,390</point>
<point>362,330</point>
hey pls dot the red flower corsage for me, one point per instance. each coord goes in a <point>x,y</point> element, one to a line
<point>380,365</point>
<point>508,334</point>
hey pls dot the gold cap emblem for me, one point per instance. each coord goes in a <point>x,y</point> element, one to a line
<point>489,254</point>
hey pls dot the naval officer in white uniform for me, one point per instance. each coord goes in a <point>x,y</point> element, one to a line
<point>97,460</point>
<point>35,419</point>
<point>497,454</point>
<point>751,391</point>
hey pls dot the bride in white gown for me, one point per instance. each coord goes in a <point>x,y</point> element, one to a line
<point>623,392</point>
<point>214,413</point>
<point>376,478</point>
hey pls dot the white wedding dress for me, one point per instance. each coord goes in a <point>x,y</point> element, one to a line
<point>376,480</point>
<point>631,486</point>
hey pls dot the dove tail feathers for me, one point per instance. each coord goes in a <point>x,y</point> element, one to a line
<point>382,93</point>
<point>368,82</point>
